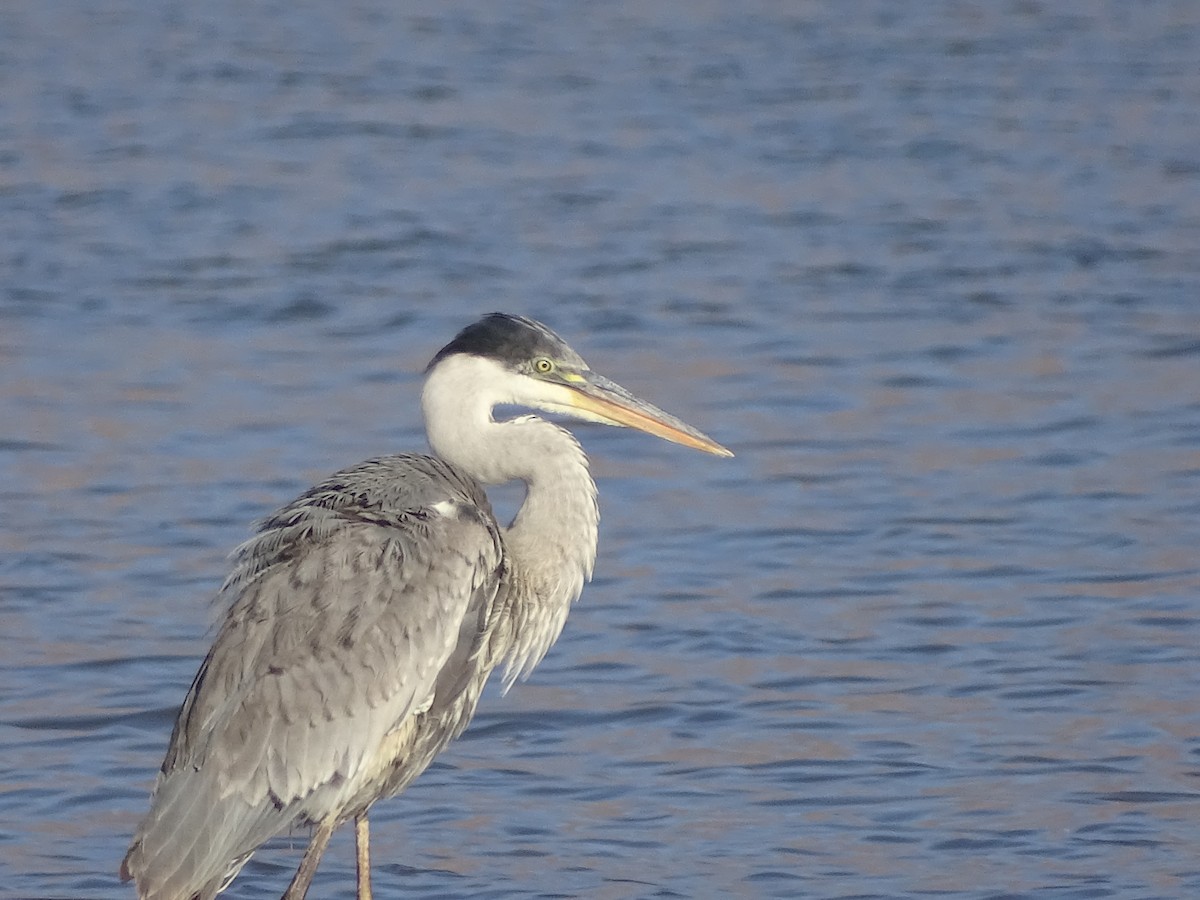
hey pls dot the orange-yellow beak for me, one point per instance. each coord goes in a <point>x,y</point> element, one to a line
<point>595,398</point>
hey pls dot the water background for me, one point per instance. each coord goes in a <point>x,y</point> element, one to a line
<point>931,270</point>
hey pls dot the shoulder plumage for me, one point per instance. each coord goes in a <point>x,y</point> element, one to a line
<point>399,492</point>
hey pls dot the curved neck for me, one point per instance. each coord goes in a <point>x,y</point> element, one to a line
<point>551,543</point>
<point>552,539</point>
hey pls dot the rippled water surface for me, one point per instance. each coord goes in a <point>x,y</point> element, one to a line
<point>931,270</point>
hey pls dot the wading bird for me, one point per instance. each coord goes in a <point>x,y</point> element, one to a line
<point>366,615</point>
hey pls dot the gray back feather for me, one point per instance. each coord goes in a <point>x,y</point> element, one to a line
<point>356,615</point>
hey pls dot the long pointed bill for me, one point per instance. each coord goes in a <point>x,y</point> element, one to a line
<point>595,397</point>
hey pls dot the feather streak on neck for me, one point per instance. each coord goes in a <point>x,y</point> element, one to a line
<point>551,544</point>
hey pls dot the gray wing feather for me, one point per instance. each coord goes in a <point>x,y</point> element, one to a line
<point>343,613</point>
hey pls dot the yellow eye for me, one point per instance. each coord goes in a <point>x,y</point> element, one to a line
<point>543,366</point>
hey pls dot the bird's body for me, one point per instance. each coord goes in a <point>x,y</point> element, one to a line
<point>365,617</point>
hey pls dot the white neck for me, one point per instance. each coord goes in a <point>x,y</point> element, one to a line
<point>551,543</point>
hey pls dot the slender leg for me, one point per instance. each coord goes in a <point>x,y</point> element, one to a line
<point>309,862</point>
<point>362,843</point>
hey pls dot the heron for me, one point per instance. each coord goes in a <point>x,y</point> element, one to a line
<point>364,618</point>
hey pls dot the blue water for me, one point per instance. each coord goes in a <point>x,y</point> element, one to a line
<point>929,269</point>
